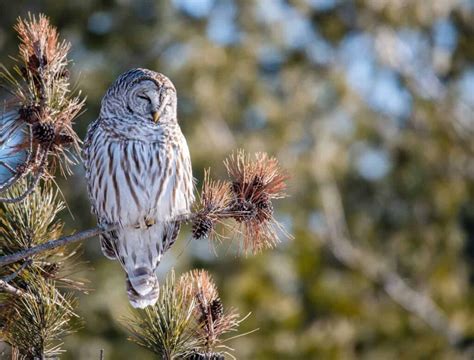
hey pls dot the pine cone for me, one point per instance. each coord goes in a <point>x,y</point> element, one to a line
<point>51,269</point>
<point>257,183</point>
<point>202,227</point>
<point>43,132</point>
<point>237,187</point>
<point>63,139</point>
<point>30,114</point>
<point>206,356</point>
<point>264,208</point>
<point>33,63</point>
<point>245,210</point>
<point>217,309</point>
<point>24,72</point>
<point>21,168</point>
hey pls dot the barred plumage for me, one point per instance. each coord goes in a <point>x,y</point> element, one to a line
<point>139,176</point>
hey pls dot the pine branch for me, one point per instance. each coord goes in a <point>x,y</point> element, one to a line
<point>12,276</point>
<point>52,244</point>
<point>187,322</point>
<point>37,322</point>
<point>168,327</point>
<point>41,100</point>
<point>246,199</point>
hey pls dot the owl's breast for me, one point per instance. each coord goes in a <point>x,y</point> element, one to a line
<point>130,181</point>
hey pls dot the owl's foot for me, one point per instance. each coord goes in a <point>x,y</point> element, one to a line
<point>145,224</point>
<point>150,222</point>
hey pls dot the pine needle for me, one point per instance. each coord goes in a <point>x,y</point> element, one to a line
<point>166,328</point>
<point>213,321</point>
<point>35,324</point>
<point>247,198</point>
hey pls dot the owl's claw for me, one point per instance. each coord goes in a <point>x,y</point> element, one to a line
<point>149,222</point>
<point>145,224</point>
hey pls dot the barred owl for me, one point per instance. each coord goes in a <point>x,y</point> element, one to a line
<point>139,176</point>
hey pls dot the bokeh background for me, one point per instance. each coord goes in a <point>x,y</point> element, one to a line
<point>373,97</point>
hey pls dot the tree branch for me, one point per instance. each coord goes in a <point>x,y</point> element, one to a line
<point>65,240</point>
<point>12,276</point>
<point>376,269</point>
<point>82,235</point>
<point>6,287</point>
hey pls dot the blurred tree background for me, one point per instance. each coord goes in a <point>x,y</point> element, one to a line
<point>374,97</point>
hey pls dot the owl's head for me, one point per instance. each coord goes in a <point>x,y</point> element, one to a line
<point>142,96</point>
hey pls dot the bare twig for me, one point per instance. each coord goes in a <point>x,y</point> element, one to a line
<point>82,235</point>
<point>6,287</point>
<point>66,240</point>
<point>376,269</point>
<point>13,275</point>
<point>185,218</point>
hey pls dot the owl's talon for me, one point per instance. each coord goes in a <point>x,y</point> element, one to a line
<point>145,224</point>
<point>149,222</point>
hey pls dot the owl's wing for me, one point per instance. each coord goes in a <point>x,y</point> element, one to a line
<point>107,240</point>
<point>86,158</point>
<point>171,235</point>
<point>91,129</point>
<point>183,192</point>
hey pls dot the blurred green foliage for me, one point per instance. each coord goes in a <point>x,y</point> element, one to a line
<point>377,93</point>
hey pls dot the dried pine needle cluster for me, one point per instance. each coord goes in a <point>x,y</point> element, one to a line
<point>44,96</point>
<point>42,108</point>
<point>213,207</point>
<point>213,322</point>
<point>187,322</point>
<point>246,198</point>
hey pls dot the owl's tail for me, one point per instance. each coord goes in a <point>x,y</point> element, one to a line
<point>143,288</point>
<point>140,251</point>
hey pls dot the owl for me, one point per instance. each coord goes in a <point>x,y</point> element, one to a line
<point>139,176</point>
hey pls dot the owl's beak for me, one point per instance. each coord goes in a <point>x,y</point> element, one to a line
<point>157,111</point>
<point>156,116</point>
